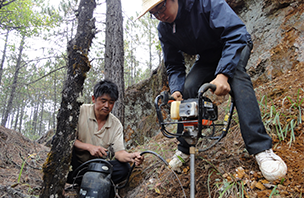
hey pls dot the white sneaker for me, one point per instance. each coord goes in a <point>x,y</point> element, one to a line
<point>271,165</point>
<point>178,160</point>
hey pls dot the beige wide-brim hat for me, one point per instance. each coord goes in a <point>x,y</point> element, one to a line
<point>148,5</point>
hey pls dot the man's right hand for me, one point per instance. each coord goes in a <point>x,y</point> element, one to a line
<point>97,151</point>
<point>222,85</point>
<point>177,96</point>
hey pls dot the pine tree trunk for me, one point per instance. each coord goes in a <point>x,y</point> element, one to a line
<point>17,117</point>
<point>114,53</point>
<point>57,164</point>
<point>150,48</point>
<point>41,115</point>
<point>132,70</point>
<point>21,116</point>
<point>14,85</point>
<point>12,119</point>
<point>3,55</point>
<point>55,100</point>
<point>35,117</point>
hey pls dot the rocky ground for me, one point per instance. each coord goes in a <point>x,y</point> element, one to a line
<point>21,163</point>
<point>226,170</point>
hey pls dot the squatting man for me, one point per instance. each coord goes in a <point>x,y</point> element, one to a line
<point>212,31</point>
<point>97,129</point>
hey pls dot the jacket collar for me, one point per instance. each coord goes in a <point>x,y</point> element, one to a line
<point>183,5</point>
<point>189,4</point>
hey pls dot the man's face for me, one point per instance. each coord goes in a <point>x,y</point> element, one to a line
<point>103,105</point>
<point>166,11</point>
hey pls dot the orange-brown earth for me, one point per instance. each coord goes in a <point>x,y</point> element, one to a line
<point>226,170</point>
<point>228,163</point>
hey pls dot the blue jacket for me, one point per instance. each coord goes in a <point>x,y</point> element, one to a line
<point>208,28</point>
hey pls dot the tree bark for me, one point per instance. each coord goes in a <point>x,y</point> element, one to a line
<point>55,100</point>
<point>35,116</point>
<point>57,164</point>
<point>41,115</point>
<point>3,55</point>
<point>17,117</point>
<point>5,3</point>
<point>114,53</point>
<point>21,115</point>
<point>150,47</point>
<point>11,119</point>
<point>14,84</point>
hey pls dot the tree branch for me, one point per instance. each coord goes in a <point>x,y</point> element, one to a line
<point>2,4</point>
<point>45,75</point>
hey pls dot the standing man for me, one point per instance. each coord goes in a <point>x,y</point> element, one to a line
<point>98,129</point>
<point>212,31</point>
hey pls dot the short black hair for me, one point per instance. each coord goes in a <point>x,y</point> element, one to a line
<point>106,87</point>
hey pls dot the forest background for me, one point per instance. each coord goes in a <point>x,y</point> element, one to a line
<point>34,37</point>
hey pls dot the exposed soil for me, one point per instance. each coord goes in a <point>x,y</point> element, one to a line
<point>226,170</point>
<point>228,167</point>
<point>20,155</point>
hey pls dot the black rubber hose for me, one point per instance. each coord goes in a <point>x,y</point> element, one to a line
<point>92,160</point>
<point>142,153</point>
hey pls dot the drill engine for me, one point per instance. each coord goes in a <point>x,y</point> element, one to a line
<point>188,112</point>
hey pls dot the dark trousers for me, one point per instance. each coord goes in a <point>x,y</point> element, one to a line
<point>252,128</point>
<point>119,174</point>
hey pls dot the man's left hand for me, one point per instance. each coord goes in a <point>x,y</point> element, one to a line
<point>222,85</point>
<point>138,159</point>
<point>124,156</point>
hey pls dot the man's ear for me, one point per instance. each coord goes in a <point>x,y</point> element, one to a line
<point>93,99</point>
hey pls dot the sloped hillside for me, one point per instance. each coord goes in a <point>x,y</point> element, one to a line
<point>228,170</point>
<point>21,163</point>
<point>277,69</point>
<point>227,164</point>
<point>277,32</point>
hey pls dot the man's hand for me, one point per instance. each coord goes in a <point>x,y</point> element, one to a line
<point>138,158</point>
<point>97,151</point>
<point>177,96</point>
<point>222,85</point>
<point>124,156</point>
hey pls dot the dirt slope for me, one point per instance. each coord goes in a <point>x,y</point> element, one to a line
<point>226,166</point>
<point>229,164</point>
<point>19,155</point>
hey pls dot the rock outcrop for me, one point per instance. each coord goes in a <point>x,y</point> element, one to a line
<point>277,32</point>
